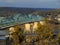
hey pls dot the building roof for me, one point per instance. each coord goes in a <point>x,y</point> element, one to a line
<point>3,32</point>
<point>2,37</point>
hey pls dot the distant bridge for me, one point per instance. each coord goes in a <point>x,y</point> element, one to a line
<point>19,19</point>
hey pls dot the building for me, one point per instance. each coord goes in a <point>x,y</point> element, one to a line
<point>58,18</point>
<point>3,34</point>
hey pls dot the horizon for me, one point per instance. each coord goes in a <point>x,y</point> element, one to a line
<point>30,3</point>
<point>28,7</point>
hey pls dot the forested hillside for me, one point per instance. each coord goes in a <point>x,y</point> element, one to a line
<point>8,11</point>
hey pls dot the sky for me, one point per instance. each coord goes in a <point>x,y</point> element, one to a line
<point>30,3</point>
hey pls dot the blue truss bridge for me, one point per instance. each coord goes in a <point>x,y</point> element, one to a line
<point>18,19</point>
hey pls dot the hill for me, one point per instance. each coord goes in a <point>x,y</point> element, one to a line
<point>8,11</point>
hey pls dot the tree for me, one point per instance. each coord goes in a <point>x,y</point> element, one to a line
<point>17,35</point>
<point>45,32</point>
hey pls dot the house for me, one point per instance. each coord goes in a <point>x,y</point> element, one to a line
<point>58,17</point>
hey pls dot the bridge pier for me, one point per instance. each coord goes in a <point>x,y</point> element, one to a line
<point>31,27</point>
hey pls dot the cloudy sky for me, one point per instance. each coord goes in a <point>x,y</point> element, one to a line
<point>31,3</point>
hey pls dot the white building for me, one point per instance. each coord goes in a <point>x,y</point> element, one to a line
<point>58,17</point>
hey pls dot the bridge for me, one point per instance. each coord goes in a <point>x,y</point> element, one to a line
<point>19,19</point>
<point>6,22</point>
